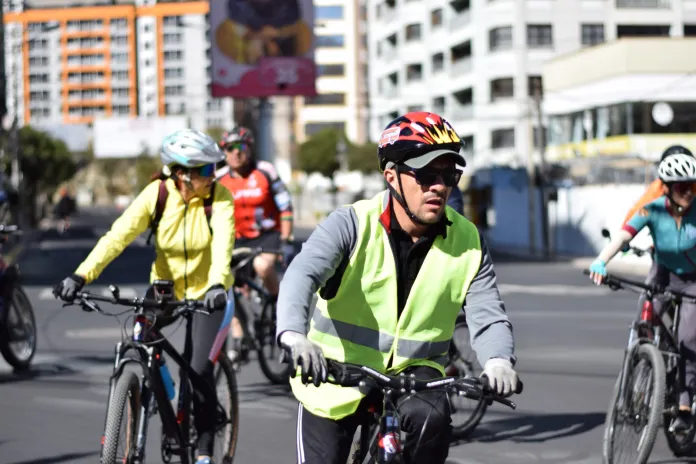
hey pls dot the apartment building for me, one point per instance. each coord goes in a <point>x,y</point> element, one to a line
<point>478,63</point>
<point>69,62</point>
<point>341,57</point>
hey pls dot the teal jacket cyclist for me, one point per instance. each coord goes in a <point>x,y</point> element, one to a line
<point>671,220</point>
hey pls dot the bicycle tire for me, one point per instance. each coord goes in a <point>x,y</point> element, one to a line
<point>266,329</point>
<point>126,389</point>
<point>20,303</point>
<point>684,446</point>
<point>652,355</point>
<point>467,356</point>
<point>230,376</point>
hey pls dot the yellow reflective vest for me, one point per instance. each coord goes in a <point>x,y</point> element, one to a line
<point>360,324</point>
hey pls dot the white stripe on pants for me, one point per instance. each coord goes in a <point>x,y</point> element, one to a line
<point>300,445</point>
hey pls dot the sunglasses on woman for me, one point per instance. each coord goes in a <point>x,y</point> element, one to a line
<point>207,170</point>
<point>429,176</point>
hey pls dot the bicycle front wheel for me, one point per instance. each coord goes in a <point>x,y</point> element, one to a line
<point>121,433</point>
<point>269,352</point>
<point>227,428</point>
<point>467,413</point>
<point>18,337</point>
<point>634,417</point>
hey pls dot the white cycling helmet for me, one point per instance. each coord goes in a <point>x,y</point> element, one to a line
<point>677,168</point>
<point>190,148</point>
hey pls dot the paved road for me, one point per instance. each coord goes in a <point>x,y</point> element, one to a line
<point>569,342</point>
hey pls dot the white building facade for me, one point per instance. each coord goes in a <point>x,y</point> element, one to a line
<point>478,62</point>
<point>76,61</point>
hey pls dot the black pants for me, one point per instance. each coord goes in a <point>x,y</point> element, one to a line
<point>203,333</point>
<point>326,441</point>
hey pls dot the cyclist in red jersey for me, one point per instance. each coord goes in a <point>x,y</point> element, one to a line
<point>262,207</point>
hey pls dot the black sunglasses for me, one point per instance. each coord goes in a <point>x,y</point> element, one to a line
<point>429,176</point>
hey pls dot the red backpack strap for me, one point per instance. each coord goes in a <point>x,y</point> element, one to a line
<point>162,195</point>
<point>208,206</point>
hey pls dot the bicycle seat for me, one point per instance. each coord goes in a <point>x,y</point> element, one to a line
<point>239,255</point>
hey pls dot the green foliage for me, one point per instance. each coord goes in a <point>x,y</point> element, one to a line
<point>318,154</point>
<point>215,132</point>
<point>363,158</point>
<point>145,167</point>
<point>45,162</point>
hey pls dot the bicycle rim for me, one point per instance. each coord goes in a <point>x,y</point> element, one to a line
<point>228,397</point>
<point>632,421</point>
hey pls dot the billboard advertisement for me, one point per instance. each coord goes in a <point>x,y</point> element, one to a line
<point>127,137</point>
<point>262,48</point>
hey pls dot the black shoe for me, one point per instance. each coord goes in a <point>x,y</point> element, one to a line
<point>681,423</point>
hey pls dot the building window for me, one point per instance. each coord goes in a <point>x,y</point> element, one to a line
<point>436,18</point>
<point>502,89</point>
<point>328,12</point>
<point>314,127</point>
<point>414,72</point>
<point>413,32</point>
<point>336,40</point>
<point>439,105</point>
<point>539,36</point>
<point>173,55</point>
<point>592,34</point>
<point>500,38</point>
<point>415,108</point>
<point>331,70</point>
<point>438,61</point>
<point>326,99</point>
<point>502,138</point>
<point>534,82</point>
<point>173,37</point>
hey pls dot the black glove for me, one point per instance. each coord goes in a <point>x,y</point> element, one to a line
<point>67,289</point>
<point>288,250</point>
<point>215,298</point>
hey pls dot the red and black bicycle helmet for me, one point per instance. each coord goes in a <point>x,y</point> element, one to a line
<point>237,135</point>
<point>416,139</point>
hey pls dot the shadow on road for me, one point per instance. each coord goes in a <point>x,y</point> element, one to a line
<point>260,390</point>
<point>38,371</point>
<point>537,428</point>
<point>67,457</point>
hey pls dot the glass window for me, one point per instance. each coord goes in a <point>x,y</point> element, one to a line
<point>500,38</point>
<point>502,88</point>
<point>328,12</point>
<point>539,36</point>
<point>592,34</point>
<point>326,99</point>
<point>327,70</point>
<point>502,138</point>
<point>336,40</point>
<point>436,17</point>
<point>413,32</point>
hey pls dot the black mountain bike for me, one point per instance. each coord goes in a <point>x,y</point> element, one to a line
<point>17,322</point>
<point>646,393</point>
<point>257,315</point>
<point>378,438</point>
<point>135,396</point>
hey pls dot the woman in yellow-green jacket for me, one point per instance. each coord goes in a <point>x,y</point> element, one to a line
<point>192,252</point>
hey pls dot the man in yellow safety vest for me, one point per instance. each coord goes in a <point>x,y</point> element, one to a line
<point>391,274</point>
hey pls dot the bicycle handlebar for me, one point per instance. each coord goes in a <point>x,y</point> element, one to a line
<point>182,307</point>
<point>617,283</point>
<point>241,256</point>
<point>352,375</point>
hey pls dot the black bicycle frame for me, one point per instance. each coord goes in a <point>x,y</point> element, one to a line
<point>175,425</point>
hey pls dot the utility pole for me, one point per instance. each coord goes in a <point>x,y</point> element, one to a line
<point>531,190</point>
<point>542,168</point>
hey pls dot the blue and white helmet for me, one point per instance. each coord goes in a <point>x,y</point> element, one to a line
<point>190,148</point>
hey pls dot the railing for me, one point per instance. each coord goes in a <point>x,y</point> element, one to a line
<point>655,4</point>
<point>461,112</point>
<point>461,66</point>
<point>460,20</point>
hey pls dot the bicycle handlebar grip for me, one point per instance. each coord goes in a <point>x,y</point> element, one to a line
<point>520,387</point>
<point>586,271</point>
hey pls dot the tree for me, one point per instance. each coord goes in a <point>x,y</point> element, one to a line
<point>145,167</point>
<point>45,163</point>
<point>363,158</point>
<point>318,154</point>
<point>215,132</point>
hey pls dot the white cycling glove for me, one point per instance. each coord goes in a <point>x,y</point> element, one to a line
<point>502,377</point>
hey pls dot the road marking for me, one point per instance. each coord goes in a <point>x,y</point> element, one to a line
<point>552,290</point>
<point>71,403</point>
<point>95,333</point>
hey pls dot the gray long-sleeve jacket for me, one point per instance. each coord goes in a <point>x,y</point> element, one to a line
<point>335,239</point>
